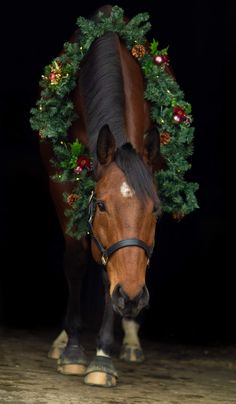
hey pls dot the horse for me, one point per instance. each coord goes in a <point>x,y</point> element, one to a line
<point>116,127</point>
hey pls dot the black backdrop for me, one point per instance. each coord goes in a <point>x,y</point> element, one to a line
<point>191,276</point>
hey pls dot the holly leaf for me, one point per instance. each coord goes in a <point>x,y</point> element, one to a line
<point>153,47</point>
<point>77,148</point>
<point>164,51</point>
<point>72,162</point>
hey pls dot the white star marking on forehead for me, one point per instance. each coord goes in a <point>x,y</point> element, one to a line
<point>126,191</point>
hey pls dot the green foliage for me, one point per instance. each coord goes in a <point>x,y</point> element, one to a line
<point>54,114</point>
<point>78,214</point>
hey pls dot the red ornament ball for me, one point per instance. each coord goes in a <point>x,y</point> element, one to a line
<point>161,59</point>
<point>165,59</point>
<point>179,114</point>
<point>82,163</point>
<point>177,118</point>
<point>52,76</point>
<point>158,60</point>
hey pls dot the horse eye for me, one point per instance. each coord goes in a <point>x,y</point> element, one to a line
<point>101,205</point>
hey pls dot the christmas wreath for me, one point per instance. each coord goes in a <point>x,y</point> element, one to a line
<point>54,114</point>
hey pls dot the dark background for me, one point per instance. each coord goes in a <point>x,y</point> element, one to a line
<point>191,275</point>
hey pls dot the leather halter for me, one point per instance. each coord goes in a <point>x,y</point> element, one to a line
<point>107,252</point>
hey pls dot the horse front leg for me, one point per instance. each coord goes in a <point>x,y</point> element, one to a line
<point>73,360</point>
<point>131,350</point>
<point>101,371</point>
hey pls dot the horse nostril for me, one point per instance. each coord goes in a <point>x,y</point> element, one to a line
<point>121,303</point>
<point>144,297</point>
<point>122,293</point>
<point>118,298</point>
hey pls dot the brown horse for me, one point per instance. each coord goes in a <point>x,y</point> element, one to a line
<point>114,123</point>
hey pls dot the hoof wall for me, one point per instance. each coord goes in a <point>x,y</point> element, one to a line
<point>73,361</point>
<point>55,352</point>
<point>131,353</point>
<point>100,379</point>
<point>101,372</point>
<point>72,369</point>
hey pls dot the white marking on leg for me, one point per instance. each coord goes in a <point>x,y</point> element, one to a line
<point>58,346</point>
<point>61,340</point>
<point>100,352</point>
<point>126,191</point>
<point>131,329</point>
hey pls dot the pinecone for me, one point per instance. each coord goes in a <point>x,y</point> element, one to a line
<point>165,138</point>
<point>41,134</point>
<point>138,51</point>
<point>178,216</point>
<point>71,199</point>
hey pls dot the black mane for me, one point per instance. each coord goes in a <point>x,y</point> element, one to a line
<point>101,85</point>
<point>102,89</point>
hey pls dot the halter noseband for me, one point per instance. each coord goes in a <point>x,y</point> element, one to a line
<point>107,252</point>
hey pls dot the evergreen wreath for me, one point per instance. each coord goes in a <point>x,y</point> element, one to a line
<point>54,114</point>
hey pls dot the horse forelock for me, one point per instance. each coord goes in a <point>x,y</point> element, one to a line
<point>137,174</point>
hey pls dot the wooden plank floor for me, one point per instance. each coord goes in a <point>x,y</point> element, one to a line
<point>171,374</point>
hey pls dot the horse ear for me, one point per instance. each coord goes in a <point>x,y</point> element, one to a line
<point>152,153</point>
<point>105,146</point>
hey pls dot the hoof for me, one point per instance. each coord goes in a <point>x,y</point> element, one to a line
<point>101,372</point>
<point>73,361</point>
<point>55,352</point>
<point>58,346</point>
<point>72,369</point>
<point>131,353</point>
<point>100,379</point>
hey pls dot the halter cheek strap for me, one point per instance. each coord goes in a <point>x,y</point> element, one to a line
<point>107,252</point>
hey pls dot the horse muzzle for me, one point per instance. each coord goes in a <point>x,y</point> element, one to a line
<point>127,307</point>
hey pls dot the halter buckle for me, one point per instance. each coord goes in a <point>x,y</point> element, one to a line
<point>104,260</point>
<point>91,208</point>
<point>91,197</point>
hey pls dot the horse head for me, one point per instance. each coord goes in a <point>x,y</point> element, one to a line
<point>124,219</point>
